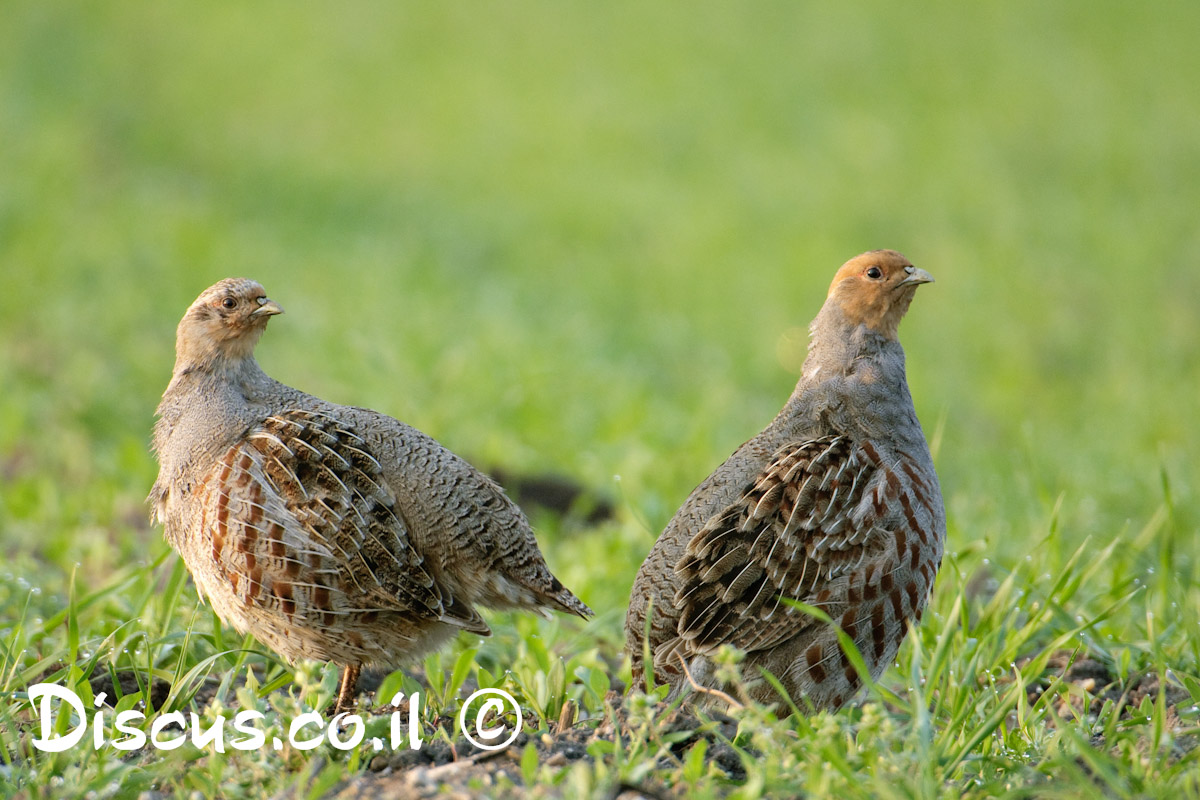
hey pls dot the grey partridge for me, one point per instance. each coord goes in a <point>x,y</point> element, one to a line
<point>328,532</point>
<point>835,505</point>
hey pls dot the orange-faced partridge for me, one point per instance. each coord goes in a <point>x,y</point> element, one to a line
<point>328,532</point>
<point>835,504</point>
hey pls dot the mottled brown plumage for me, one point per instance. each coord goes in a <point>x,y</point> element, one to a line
<point>329,532</point>
<point>835,505</point>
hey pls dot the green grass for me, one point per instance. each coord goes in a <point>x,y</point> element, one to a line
<point>586,239</point>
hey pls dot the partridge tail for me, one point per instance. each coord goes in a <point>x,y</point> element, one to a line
<point>564,600</point>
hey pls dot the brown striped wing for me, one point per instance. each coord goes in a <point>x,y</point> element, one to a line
<point>807,519</point>
<point>301,520</point>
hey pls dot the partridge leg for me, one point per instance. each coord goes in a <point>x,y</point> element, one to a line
<point>348,689</point>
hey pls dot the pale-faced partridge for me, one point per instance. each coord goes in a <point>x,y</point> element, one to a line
<point>328,532</point>
<point>835,504</point>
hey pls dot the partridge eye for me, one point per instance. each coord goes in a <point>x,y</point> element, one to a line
<point>874,273</point>
<point>229,302</point>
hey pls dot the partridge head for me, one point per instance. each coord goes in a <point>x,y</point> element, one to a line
<point>224,324</point>
<point>875,290</point>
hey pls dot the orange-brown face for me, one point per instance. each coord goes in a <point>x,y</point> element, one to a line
<point>226,319</point>
<point>875,289</point>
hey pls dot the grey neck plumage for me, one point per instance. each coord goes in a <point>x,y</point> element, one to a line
<point>852,378</point>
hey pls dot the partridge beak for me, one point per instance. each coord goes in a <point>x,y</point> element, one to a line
<point>267,309</point>
<point>916,275</point>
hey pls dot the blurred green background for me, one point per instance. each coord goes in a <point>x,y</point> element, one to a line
<point>587,238</point>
